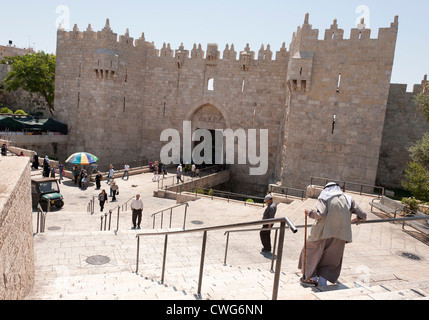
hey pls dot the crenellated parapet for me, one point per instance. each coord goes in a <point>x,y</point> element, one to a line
<point>107,38</point>
<point>304,36</point>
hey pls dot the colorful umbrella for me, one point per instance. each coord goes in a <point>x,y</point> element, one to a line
<point>82,158</point>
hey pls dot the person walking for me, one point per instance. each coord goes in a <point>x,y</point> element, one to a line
<point>137,209</point>
<point>324,248</point>
<point>4,149</point>
<point>111,173</point>
<point>193,169</point>
<point>46,167</point>
<point>98,180</point>
<point>269,213</point>
<point>61,171</point>
<point>126,172</point>
<point>53,172</point>
<point>35,162</point>
<point>179,173</point>
<point>115,188</point>
<point>75,173</point>
<point>155,176</point>
<point>164,170</point>
<point>112,182</point>
<point>102,197</point>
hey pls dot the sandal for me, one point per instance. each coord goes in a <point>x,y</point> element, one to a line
<point>308,282</point>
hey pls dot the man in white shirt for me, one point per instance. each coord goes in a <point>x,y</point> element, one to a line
<point>137,209</point>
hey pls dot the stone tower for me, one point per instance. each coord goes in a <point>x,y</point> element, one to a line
<point>337,96</point>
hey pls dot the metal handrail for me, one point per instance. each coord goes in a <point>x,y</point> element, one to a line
<point>377,221</point>
<point>153,216</point>
<point>348,182</point>
<point>41,219</point>
<point>227,233</point>
<point>283,222</point>
<point>271,186</point>
<point>109,212</point>
<point>186,178</point>
<point>276,229</point>
<point>229,194</point>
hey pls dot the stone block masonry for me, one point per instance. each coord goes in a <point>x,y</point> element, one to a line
<point>323,101</point>
<point>16,229</point>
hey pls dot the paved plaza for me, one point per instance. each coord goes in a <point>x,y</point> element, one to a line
<point>75,260</point>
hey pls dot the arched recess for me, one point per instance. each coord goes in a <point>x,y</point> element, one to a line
<point>211,116</point>
<point>208,115</point>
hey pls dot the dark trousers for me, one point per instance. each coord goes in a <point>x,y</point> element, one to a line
<point>266,238</point>
<point>137,217</point>
<point>101,205</point>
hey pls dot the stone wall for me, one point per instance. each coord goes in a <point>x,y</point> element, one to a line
<point>50,145</point>
<point>338,96</point>
<point>118,95</point>
<point>404,126</point>
<point>16,229</point>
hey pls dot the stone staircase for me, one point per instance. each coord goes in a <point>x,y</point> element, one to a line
<point>63,270</point>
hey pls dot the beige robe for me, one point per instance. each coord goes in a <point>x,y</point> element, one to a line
<point>326,243</point>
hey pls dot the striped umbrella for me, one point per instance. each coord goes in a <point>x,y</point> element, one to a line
<point>82,158</point>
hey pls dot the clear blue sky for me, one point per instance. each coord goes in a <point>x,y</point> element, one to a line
<point>224,22</point>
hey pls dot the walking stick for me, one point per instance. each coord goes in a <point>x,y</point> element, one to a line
<point>305,248</point>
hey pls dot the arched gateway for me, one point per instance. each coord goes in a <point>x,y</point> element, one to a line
<point>209,117</point>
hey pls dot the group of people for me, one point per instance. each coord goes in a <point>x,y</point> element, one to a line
<point>192,168</point>
<point>103,197</point>
<point>322,256</point>
<point>80,177</point>
<point>157,168</point>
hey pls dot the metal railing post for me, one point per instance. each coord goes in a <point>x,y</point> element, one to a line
<point>279,260</point>
<point>226,249</point>
<point>164,258</point>
<point>37,223</point>
<point>162,218</point>
<point>105,221</point>
<point>117,221</point>
<point>138,253</point>
<point>101,226</point>
<point>184,219</point>
<point>110,218</point>
<point>274,250</point>
<point>203,253</point>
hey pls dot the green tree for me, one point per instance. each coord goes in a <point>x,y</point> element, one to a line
<point>33,72</point>
<point>417,173</point>
<point>417,181</point>
<point>419,151</point>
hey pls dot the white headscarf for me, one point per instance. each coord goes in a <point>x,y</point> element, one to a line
<point>332,190</point>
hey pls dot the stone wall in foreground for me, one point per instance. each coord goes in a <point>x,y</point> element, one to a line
<point>17,272</point>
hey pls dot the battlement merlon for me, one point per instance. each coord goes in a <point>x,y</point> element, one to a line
<point>303,35</point>
<point>306,34</point>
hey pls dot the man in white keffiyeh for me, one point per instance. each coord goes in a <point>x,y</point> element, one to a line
<point>326,243</point>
